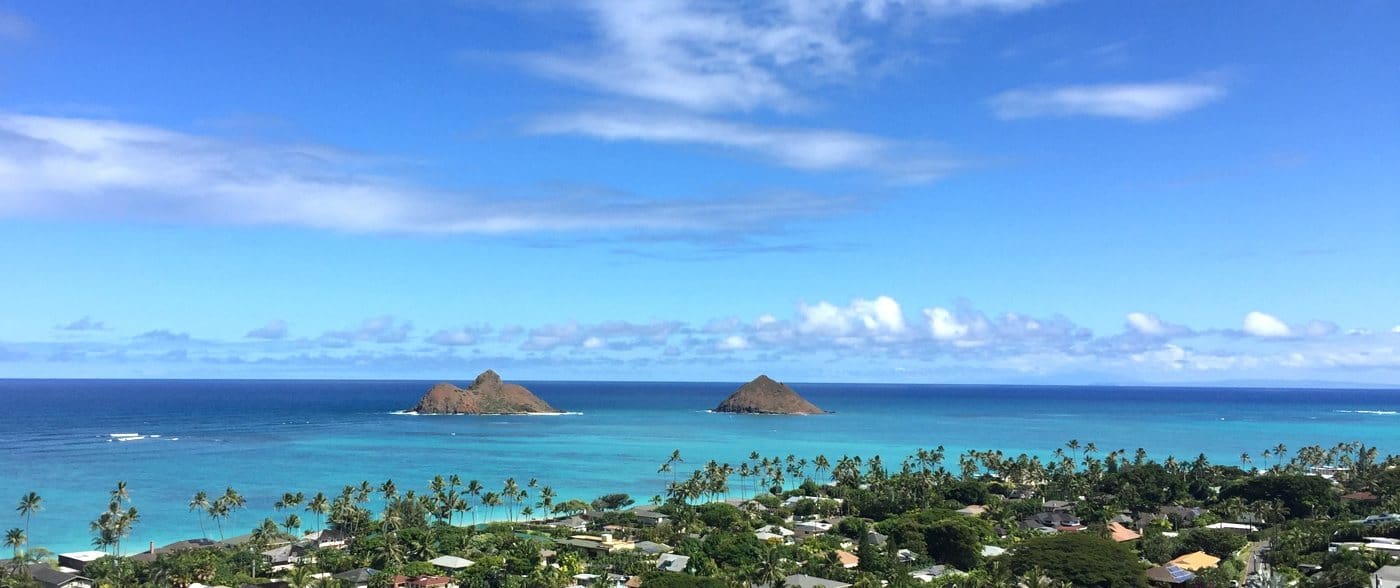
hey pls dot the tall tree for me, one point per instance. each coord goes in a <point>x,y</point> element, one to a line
<point>29,504</point>
<point>200,502</point>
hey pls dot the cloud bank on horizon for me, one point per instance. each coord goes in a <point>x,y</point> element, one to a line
<point>639,190</point>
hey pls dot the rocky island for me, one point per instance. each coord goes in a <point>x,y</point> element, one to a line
<point>765,396</point>
<point>487,395</point>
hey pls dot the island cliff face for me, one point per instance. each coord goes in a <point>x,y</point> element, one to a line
<point>486,395</point>
<point>765,396</point>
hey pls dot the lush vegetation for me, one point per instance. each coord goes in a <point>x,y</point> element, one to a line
<point>895,518</point>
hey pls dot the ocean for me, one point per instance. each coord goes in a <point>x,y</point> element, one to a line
<point>268,437</point>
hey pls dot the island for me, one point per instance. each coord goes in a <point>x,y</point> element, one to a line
<point>486,395</point>
<point>764,395</point>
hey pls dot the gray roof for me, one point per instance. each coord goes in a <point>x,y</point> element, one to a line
<point>651,547</point>
<point>50,577</point>
<point>1388,573</point>
<point>356,575</point>
<point>672,562</point>
<point>803,581</point>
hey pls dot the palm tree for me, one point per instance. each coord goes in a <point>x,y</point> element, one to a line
<point>298,577</point>
<point>770,569</point>
<point>29,504</point>
<point>319,506</point>
<point>474,489</point>
<point>200,502</point>
<point>16,538</point>
<point>292,523</point>
<point>120,493</point>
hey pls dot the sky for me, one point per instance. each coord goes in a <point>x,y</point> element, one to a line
<point>940,191</point>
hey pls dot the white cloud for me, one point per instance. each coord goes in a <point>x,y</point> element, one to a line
<point>1149,325</point>
<point>380,329</point>
<point>714,56</point>
<point>732,343</point>
<point>807,149</point>
<point>459,337</point>
<point>944,326</point>
<point>881,316</point>
<point>86,169</point>
<point>1146,324</point>
<point>1395,329</point>
<point>1146,101</point>
<point>1260,324</point>
<point>274,329</point>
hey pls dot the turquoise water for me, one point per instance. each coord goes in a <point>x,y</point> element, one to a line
<point>269,437</point>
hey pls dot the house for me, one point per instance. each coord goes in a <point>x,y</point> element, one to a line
<point>283,557</point>
<point>328,539</point>
<point>992,551</point>
<point>1236,528</point>
<point>905,556</point>
<point>1058,506</point>
<point>1195,561</point>
<point>774,533</point>
<point>451,563</point>
<point>77,560</point>
<point>875,538</point>
<point>597,544</point>
<point>51,578</point>
<point>421,582</point>
<point>671,562</point>
<point>1053,520</point>
<point>575,523</point>
<point>1169,574</point>
<point>847,559</point>
<point>930,573</point>
<point>807,529</point>
<point>356,578</point>
<point>649,518</point>
<point>1362,496</point>
<point>804,581</point>
<point>651,547</point>
<point>1386,577</point>
<point>1122,534</point>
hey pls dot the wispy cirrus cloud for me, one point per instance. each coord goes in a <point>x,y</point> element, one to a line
<point>806,149</point>
<point>1140,101</point>
<point>106,170</point>
<point>733,56</point>
<point>687,63</point>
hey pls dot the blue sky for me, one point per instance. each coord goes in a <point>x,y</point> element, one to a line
<point>1020,191</point>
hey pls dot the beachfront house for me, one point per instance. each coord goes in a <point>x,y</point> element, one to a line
<point>51,578</point>
<point>78,560</point>
<point>575,523</point>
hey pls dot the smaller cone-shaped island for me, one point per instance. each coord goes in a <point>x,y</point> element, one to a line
<point>486,395</point>
<point>765,396</point>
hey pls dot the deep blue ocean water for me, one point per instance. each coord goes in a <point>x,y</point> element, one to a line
<point>269,437</point>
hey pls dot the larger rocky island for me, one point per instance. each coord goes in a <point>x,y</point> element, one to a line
<point>766,396</point>
<point>487,395</point>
